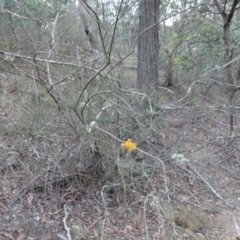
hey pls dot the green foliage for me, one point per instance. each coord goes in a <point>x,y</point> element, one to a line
<point>31,3</point>
<point>174,6</point>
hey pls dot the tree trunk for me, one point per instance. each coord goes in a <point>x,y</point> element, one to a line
<point>227,18</point>
<point>148,45</point>
<point>228,56</point>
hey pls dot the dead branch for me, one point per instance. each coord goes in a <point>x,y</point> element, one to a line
<point>52,46</point>
<point>145,217</point>
<point>65,222</point>
<point>229,205</point>
<point>235,222</point>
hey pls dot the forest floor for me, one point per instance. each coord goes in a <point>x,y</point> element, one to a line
<point>197,197</point>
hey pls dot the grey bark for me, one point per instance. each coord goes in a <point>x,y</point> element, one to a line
<point>148,45</point>
<point>227,19</point>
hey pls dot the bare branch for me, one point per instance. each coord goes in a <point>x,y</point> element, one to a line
<point>65,222</point>
<point>229,205</point>
<point>15,14</point>
<point>52,45</point>
<point>235,222</point>
<point>232,11</point>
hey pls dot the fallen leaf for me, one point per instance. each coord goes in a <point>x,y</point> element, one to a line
<point>95,233</point>
<point>108,221</point>
<point>2,210</point>
<point>44,219</point>
<point>6,235</point>
<point>174,230</point>
<point>85,227</point>
<point>30,198</point>
<point>22,236</point>
<point>163,233</point>
<point>61,236</point>
<point>158,234</point>
<point>69,196</point>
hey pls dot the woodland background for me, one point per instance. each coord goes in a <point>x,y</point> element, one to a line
<point>72,90</point>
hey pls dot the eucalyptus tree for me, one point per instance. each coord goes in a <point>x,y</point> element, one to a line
<point>227,10</point>
<point>148,45</point>
<point>189,42</point>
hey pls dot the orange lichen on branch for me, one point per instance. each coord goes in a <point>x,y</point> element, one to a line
<point>129,145</point>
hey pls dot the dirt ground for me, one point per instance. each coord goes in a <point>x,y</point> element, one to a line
<point>47,193</point>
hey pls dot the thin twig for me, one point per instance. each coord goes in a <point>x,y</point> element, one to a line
<point>235,222</point>
<point>15,14</point>
<point>105,205</point>
<point>93,225</point>
<point>145,217</point>
<point>210,187</point>
<point>65,222</point>
<point>103,226</point>
<point>6,115</point>
<point>50,61</point>
<point>34,149</point>
<point>35,86</point>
